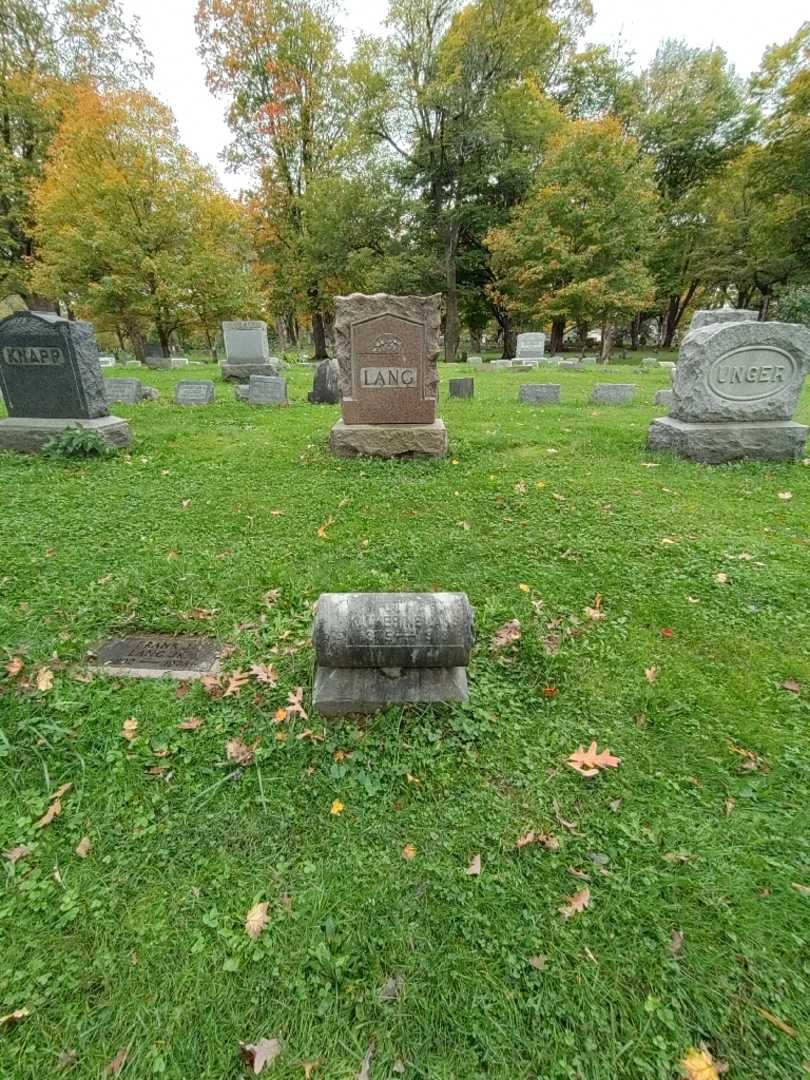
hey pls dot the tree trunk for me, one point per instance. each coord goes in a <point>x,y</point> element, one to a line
<point>765,306</point>
<point>557,335</point>
<point>607,342</point>
<point>329,332</point>
<point>318,336</point>
<point>475,341</point>
<point>509,337</point>
<point>136,338</point>
<point>451,323</point>
<point>163,338</point>
<point>635,331</point>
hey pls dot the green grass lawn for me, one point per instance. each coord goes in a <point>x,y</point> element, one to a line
<point>534,513</point>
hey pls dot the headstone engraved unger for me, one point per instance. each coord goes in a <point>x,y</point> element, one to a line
<point>51,379</point>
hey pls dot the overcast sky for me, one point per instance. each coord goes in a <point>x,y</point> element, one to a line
<point>742,27</point>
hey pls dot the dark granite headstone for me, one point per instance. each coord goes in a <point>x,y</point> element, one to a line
<point>462,388</point>
<point>49,368</point>
<point>155,655</point>
<point>325,386</point>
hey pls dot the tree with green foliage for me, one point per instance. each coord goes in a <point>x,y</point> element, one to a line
<point>577,247</point>
<point>131,231</point>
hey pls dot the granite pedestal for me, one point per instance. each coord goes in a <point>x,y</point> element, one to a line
<point>28,435</point>
<point>715,443</point>
<point>389,440</point>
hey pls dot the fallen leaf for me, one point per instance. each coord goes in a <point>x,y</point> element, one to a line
<point>257,1055</point>
<point>506,635</point>
<point>191,724</point>
<point>589,762</point>
<point>667,633</point>
<point>130,729</point>
<point>60,792</point>
<point>769,1016</point>
<point>399,1067</point>
<point>326,525</point>
<point>721,578</point>
<point>792,686</point>
<point>271,597</point>
<point>239,752</point>
<point>365,1068</point>
<point>550,692</point>
<point>546,840</point>
<point>14,1017</point>
<point>524,588</point>
<point>14,667</point>
<point>803,889</point>
<point>677,942</point>
<point>280,715</point>
<point>236,680</point>
<point>294,703</point>
<point>576,903</point>
<point>651,673</point>
<point>265,673</point>
<point>392,988</point>
<point>67,1059</point>
<point>54,810</point>
<point>537,962</point>
<point>730,803</point>
<point>44,680</point>
<point>698,1065</point>
<point>256,920</point>
<point>336,808</point>
<point>409,852</point>
<point>16,853</point>
<point>118,1062</point>
<point>309,1068</point>
<point>185,503</point>
<point>785,496</point>
<point>212,686</point>
<point>752,762</point>
<point>83,847</point>
<point>474,869</point>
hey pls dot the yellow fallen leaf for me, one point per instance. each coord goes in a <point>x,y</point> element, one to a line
<point>14,1017</point>
<point>698,1065</point>
<point>474,869</point>
<point>54,810</point>
<point>130,729</point>
<point>524,588</point>
<point>256,920</point>
<point>409,852</point>
<point>83,847</point>
<point>651,673</point>
<point>44,680</point>
<point>336,808</point>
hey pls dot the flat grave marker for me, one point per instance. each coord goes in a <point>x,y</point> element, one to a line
<point>153,656</point>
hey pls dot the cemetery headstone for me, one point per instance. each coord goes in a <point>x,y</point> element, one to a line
<point>530,346</point>
<point>710,316</point>
<point>668,365</point>
<point>664,397</point>
<point>475,361</point>
<point>124,391</point>
<point>649,362</point>
<point>735,390</point>
<point>500,365</point>
<point>387,348</point>
<point>194,392</point>
<point>568,365</point>
<point>378,649</point>
<point>106,361</point>
<point>461,388</point>
<point>613,393</point>
<point>155,656</point>
<point>242,391</point>
<point>50,379</point>
<point>247,351</point>
<point>267,390</point>
<point>325,384</point>
<point>539,394</point>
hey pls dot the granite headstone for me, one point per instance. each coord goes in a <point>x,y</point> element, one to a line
<point>461,388</point>
<point>194,392</point>
<point>325,384</point>
<point>613,393</point>
<point>539,394</point>
<point>124,391</point>
<point>530,346</point>
<point>267,390</point>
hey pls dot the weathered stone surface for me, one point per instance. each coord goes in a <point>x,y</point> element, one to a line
<point>124,391</point>
<point>393,630</point>
<point>267,390</point>
<point>28,434</point>
<point>461,388</point>
<point>709,316</point>
<point>567,365</point>
<point>715,443</point>
<point>667,365</point>
<point>194,392</point>
<point>539,394</point>
<point>246,341</point>
<point>500,365</point>
<point>106,361</point>
<point>151,393</point>
<point>649,362</point>
<point>664,397</point>
<point>242,391</point>
<point>475,361</point>
<point>239,371</point>
<point>530,345</point>
<point>741,371</point>
<point>387,347</point>
<point>153,656</point>
<point>389,440</point>
<point>613,393</point>
<point>343,691</point>
<point>325,384</point>
<point>49,368</point>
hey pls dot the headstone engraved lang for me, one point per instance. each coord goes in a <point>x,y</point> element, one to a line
<point>51,379</point>
<point>379,649</point>
<point>194,392</point>
<point>387,348</point>
<point>247,351</point>
<point>734,392</point>
<point>152,656</point>
<point>530,346</point>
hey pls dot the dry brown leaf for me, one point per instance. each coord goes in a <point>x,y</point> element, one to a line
<point>474,869</point>
<point>257,1055</point>
<point>130,729</point>
<point>721,578</point>
<point>16,853</point>
<point>191,724</point>
<point>365,1068</point>
<point>803,889</point>
<point>67,1059</point>
<point>83,847</point>
<point>236,680</point>
<point>118,1062</point>
<point>62,791</point>
<point>546,840</point>
<point>409,852</point>
<point>576,903</point>
<point>294,703</point>
<point>698,1065</point>
<point>201,614</point>
<point>506,635</point>
<point>589,762</point>
<point>309,1067</point>
<point>239,752</point>
<point>326,525</point>
<point>537,962</point>
<point>651,673</point>
<point>677,942</point>
<point>53,811</point>
<point>212,686</point>
<point>265,673</point>
<point>271,597</point>
<point>256,920</point>
<point>14,667</point>
<point>792,686</point>
<point>44,679</point>
<point>769,1016</point>
<point>14,1017</point>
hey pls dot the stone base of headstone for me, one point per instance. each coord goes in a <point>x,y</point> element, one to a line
<point>342,691</point>
<point>241,372</point>
<point>389,440</point>
<point>28,435</point>
<point>461,388</point>
<point>716,443</point>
